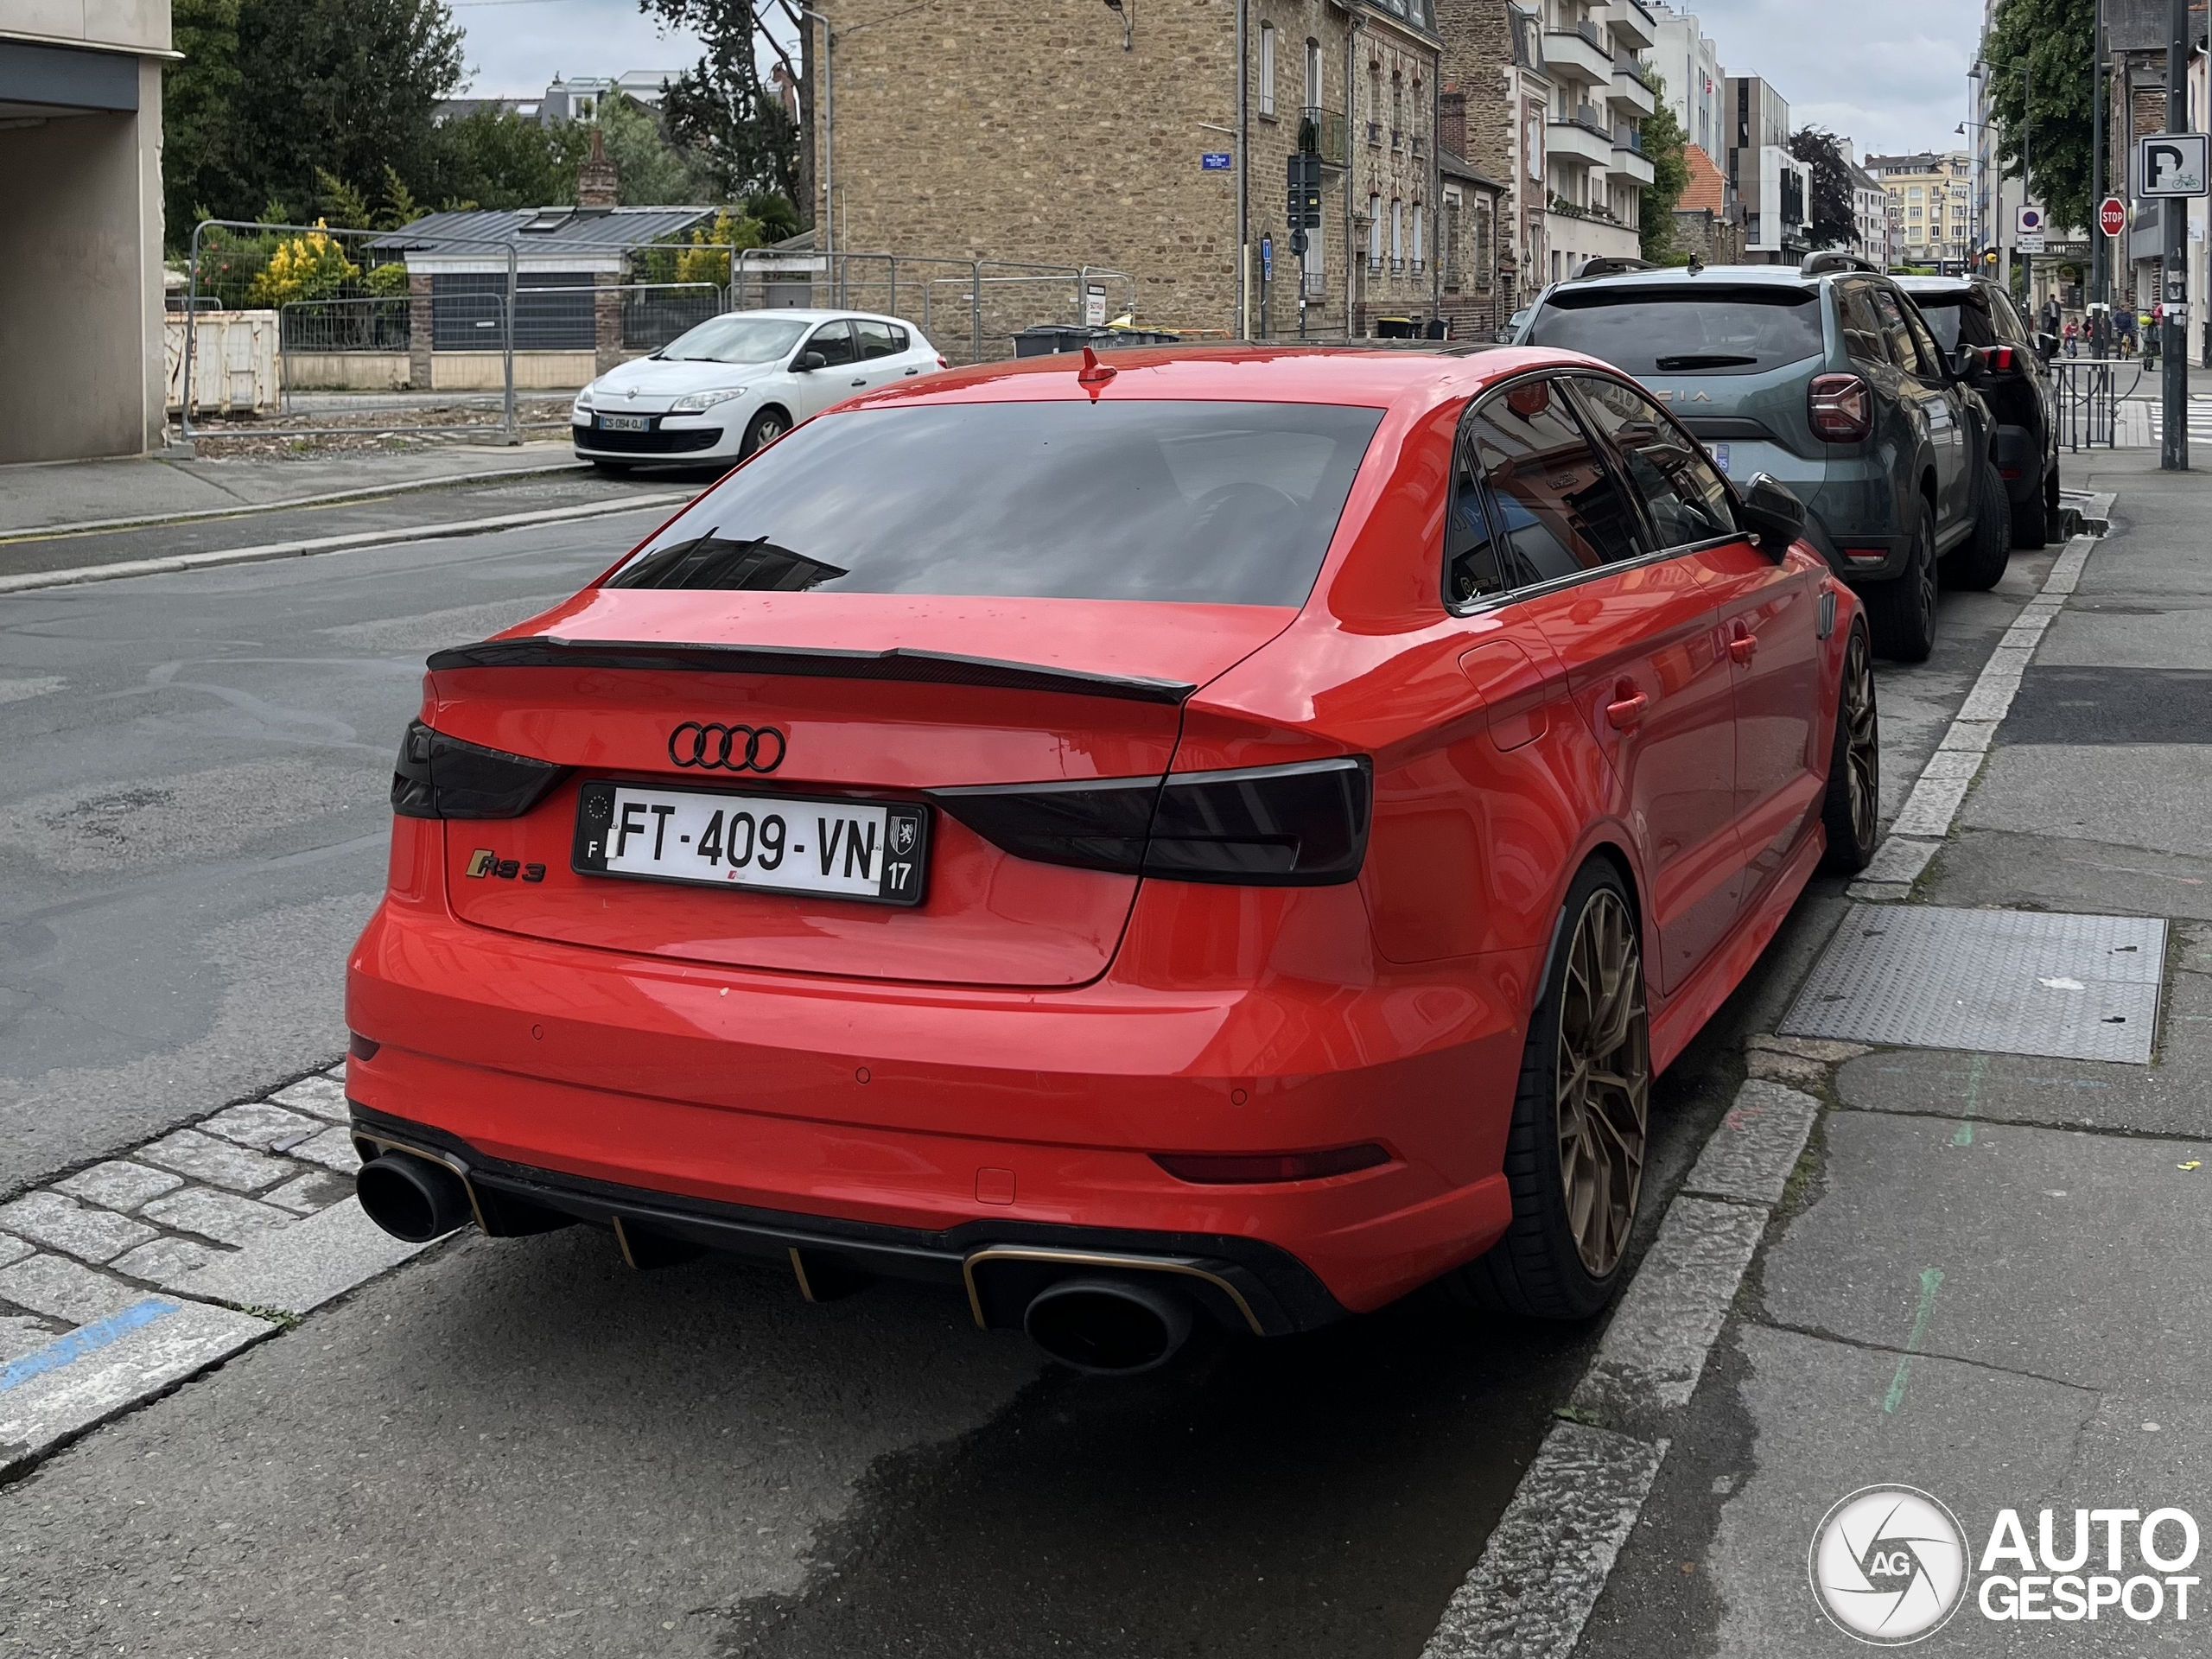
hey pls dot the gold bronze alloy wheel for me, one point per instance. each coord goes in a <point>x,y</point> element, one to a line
<point>1602,1081</point>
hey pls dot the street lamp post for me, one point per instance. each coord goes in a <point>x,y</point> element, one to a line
<point>2099,264</point>
<point>828,137</point>
<point>2173,220</point>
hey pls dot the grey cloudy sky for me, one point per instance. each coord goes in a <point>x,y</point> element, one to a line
<point>1891,73</point>
<point>516,45</point>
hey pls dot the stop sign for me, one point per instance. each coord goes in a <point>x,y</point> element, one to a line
<point>2112,216</point>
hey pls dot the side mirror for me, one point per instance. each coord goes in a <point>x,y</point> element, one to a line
<point>806,362</point>
<point>1970,365</point>
<point>1775,517</point>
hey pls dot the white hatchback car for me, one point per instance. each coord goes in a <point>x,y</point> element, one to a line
<point>738,381</point>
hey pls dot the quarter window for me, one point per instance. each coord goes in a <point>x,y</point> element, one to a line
<point>1902,351</point>
<point>1683,495</point>
<point>1559,510</point>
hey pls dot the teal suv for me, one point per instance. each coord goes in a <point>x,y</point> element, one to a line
<point>1827,377</point>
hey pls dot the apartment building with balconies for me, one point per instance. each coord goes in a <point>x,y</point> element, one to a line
<point>1594,165</point>
<point>1687,63</point>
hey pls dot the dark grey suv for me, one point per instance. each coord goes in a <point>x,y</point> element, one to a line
<point>1826,377</point>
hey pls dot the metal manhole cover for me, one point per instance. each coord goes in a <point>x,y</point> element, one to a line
<point>2002,981</point>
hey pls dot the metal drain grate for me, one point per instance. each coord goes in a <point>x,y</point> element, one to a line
<point>2002,981</point>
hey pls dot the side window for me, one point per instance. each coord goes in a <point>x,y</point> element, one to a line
<point>1862,340</point>
<point>1667,471</point>
<point>1474,564</point>
<point>2009,325</point>
<point>1902,349</point>
<point>1559,510</point>
<point>834,341</point>
<point>878,338</point>
<point>1931,354</point>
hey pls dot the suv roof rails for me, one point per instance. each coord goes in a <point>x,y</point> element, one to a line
<point>1606,266</point>
<point>1828,259</point>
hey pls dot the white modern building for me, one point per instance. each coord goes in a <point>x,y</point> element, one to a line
<point>1594,165</point>
<point>1687,62</point>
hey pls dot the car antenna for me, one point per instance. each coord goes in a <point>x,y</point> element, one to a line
<point>1093,373</point>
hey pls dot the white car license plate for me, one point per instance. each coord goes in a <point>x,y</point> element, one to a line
<point>626,422</point>
<point>764,843</point>
<point>1719,452</point>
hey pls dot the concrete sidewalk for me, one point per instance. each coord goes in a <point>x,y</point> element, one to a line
<point>56,496</point>
<point>1988,1281</point>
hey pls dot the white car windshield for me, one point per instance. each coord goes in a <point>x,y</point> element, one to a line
<point>736,339</point>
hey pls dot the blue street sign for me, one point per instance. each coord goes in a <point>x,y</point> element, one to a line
<point>1266,258</point>
<point>1215,160</point>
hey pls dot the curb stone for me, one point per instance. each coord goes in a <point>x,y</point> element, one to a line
<point>123,1280</point>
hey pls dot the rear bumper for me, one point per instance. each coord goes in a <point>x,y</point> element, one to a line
<point>946,1120</point>
<point>1244,1284</point>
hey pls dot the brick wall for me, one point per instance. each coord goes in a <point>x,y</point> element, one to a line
<point>995,129</point>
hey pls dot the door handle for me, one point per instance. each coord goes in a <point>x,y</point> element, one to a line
<point>1743,645</point>
<point>861,382</point>
<point>1627,707</point>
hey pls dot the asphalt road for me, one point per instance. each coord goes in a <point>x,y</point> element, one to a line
<point>519,1446</point>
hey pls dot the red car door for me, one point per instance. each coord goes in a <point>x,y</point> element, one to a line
<point>1632,625</point>
<point>1765,604</point>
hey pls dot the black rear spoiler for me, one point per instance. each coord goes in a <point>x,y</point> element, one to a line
<point>915,667</point>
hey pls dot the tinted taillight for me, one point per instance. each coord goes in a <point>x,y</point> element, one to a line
<point>441,777</point>
<point>1299,825</point>
<point>1999,359</point>
<point>1840,408</point>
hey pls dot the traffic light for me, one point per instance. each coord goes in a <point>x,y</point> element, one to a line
<point>1305,206</point>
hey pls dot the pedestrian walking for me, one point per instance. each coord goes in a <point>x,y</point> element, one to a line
<point>2073,337</point>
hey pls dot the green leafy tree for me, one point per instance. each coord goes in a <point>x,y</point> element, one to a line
<point>198,94</point>
<point>1833,224</point>
<point>2045,44</point>
<point>495,158</point>
<point>1663,142</point>
<point>342,204</point>
<point>400,206</point>
<point>650,171</point>
<point>719,107</point>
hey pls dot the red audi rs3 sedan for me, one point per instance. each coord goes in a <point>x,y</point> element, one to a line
<point>1225,837</point>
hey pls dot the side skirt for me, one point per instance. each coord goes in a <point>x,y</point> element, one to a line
<point>1703,992</point>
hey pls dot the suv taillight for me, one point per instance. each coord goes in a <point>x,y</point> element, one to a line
<point>1302,825</point>
<point>1840,408</point>
<point>441,777</point>
<point>1999,360</point>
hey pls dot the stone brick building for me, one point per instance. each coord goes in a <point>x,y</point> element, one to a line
<point>1151,137</point>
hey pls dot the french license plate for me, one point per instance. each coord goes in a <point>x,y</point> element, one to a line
<point>626,422</point>
<point>763,843</point>
<point>1719,455</point>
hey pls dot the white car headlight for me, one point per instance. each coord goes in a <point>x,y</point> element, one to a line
<point>583,402</point>
<point>692,402</point>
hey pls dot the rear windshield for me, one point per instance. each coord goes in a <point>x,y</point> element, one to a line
<point>1686,330</point>
<point>1950,315</point>
<point>1215,502</point>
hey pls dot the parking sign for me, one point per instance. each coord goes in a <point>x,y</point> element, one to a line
<point>2170,164</point>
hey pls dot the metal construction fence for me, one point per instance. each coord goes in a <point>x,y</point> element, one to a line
<point>435,331</point>
<point>969,310</point>
<point>449,347</point>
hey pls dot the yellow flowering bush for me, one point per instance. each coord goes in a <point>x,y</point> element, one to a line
<point>303,268</point>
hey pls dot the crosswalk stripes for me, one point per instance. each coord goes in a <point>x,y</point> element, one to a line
<point>2200,419</point>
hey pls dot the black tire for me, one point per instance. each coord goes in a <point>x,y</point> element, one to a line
<point>764,428</point>
<point>1851,810</point>
<point>1902,612</point>
<point>2032,519</point>
<point>1979,563</point>
<point>1538,1269</point>
<point>612,468</point>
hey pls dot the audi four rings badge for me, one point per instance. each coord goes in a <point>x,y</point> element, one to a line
<point>726,748</point>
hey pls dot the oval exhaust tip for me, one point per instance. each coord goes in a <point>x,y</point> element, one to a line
<point>1109,1327</point>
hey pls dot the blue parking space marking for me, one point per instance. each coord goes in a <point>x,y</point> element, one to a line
<point>85,1340</point>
